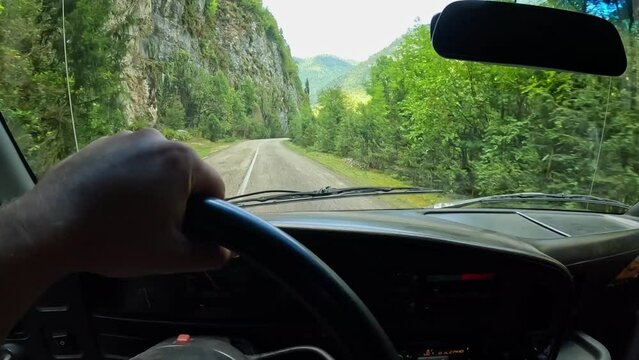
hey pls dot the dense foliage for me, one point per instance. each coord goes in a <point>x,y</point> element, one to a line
<point>32,84</point>
<point>193,98</point>
<point>477,129</point>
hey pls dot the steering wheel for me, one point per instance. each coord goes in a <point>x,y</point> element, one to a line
<point>269,249</point>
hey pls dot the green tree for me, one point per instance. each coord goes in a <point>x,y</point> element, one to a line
<point>334,111</point>
<point>478,129</point>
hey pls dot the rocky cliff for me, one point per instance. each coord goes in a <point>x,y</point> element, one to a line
<point>237,41</point>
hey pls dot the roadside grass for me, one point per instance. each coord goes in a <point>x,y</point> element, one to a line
<point>361,177</point>
<point>205,148</point>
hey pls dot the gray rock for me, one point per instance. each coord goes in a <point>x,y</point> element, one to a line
<point>158,33</point>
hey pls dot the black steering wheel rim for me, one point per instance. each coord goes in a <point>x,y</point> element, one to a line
<point>299,270</point>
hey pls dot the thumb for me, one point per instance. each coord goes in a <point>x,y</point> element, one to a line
<point>202,255</point>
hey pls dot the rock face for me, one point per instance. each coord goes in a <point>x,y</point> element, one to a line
<point>239,46</point>
<point>251,52</point>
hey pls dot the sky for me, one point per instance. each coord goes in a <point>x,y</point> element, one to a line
<point>349,29</point>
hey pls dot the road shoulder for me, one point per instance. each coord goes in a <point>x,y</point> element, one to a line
<point>362,177</point>
<point>206,148</point>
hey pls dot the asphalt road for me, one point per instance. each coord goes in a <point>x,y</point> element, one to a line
<point>258,165</point>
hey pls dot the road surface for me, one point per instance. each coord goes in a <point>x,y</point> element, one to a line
<point>258,165</point>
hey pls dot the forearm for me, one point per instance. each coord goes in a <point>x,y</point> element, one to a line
<point>27,268</point>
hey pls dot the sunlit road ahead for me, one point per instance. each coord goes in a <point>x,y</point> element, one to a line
<point>258,165</point>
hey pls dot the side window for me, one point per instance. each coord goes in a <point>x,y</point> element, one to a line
<point>34,87</point>
<point>32,82</point>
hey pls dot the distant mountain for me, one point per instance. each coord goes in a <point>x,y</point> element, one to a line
<point>355,80</point>
<point>321,71</point>
<point>326,71</point>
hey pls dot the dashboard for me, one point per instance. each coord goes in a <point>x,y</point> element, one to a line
<point>445,285</point>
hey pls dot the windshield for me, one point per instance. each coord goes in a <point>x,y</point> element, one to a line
<point>305,95</point>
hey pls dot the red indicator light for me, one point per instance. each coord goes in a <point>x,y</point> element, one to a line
<point>477,277</point>
<point>183,339</point>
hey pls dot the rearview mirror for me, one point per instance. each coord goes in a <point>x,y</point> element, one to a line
<point>525,35</point>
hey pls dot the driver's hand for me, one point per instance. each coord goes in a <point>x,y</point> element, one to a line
<point>116,207</point>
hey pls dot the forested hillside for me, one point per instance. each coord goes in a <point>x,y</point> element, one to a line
<point>320,71</point>
<point>326,71</point>
<point>354,81</point>
<point>211,68</point>
<point>477,129</point>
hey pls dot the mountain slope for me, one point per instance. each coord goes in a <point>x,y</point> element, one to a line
<point>320,71</point>
<point>355,80</point>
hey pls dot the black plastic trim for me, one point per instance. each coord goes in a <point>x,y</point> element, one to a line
<point>23,159</point>
<point>580,343</point>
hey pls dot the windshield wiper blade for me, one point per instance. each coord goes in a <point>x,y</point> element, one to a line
<point>235,198</point>
<point>286,196</point>
<point>541,197</point>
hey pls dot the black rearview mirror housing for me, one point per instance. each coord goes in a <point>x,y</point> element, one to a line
<point>530,36</point>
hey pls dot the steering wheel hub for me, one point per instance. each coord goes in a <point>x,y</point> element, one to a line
<point>213,348</point>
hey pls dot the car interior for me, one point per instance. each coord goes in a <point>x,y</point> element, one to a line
<point>427,284</point>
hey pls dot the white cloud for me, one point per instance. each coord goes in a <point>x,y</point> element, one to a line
<point>350,29</point>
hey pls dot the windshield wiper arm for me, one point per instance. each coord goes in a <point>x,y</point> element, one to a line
<point>565,198</point>
<point>285,196</point>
